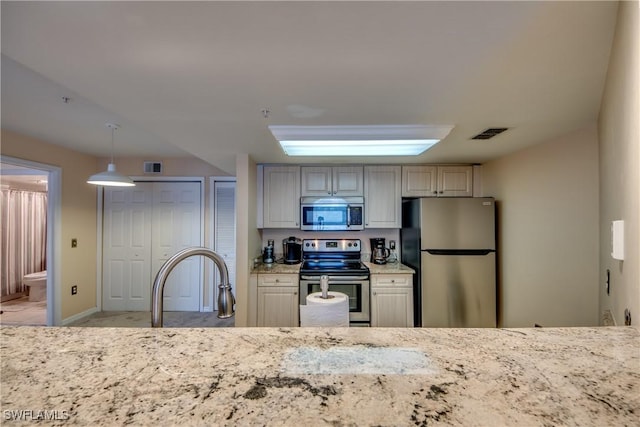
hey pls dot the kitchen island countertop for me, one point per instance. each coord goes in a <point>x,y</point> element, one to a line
<point>254,376</point>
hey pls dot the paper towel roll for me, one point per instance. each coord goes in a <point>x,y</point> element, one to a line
<point>333,311</point>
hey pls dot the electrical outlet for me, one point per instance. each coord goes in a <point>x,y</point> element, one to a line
<point>74,243</point>
<point>74,289</point>
<point>392,244</point>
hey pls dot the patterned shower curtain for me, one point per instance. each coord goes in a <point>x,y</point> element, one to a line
<point>23,237</point>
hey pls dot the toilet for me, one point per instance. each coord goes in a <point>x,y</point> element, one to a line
<point>37,283</point>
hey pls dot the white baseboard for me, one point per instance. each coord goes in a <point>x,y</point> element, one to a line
<point>79,316</point>
<point>607,319</point>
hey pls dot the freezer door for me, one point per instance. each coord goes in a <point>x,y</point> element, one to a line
<point>458,291</point>
<point>457,223</point>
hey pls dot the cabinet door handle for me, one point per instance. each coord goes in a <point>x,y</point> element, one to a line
<point>375,293</point>
<point>393,281</point>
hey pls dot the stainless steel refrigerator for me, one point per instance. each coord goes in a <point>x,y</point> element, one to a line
<point>451,244</point>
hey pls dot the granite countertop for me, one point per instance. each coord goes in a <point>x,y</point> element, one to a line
<point>322,376</point>
<point>389,268</point>
<point>276,268</point>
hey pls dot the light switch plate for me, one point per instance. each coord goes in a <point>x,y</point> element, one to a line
<point>617,240</point>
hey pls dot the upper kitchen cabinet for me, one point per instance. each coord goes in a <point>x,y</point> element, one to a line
<point>382,196</point>
<point>437,181</point>
<point>281,197</point>
<point>322,181</point>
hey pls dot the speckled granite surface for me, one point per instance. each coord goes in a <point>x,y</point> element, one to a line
<point>246,376</point>
<point>276,268</point>
<point>389,268</point>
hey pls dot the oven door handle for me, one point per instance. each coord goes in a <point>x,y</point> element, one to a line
<point>338,278</point>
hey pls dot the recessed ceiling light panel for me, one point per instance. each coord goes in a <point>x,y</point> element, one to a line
<point>394,140</point>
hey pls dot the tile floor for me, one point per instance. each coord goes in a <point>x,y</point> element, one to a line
<point>21,311</point>
<point>141,319</point>
<point>24,312</point>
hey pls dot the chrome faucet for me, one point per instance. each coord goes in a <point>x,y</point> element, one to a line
<point>226,299</point>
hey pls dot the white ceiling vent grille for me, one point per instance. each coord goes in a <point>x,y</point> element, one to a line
<point>152,167</point>
<point>489,133</point>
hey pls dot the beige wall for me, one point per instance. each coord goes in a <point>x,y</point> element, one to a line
<point>547,198</point>
<point>247,238</point>
<point>619,136</point>
<point>78,217</point>
<point>172,166</point>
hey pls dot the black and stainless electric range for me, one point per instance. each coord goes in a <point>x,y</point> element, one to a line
<point>340,260</point>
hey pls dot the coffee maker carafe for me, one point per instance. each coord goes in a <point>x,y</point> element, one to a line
<point>379,252</point>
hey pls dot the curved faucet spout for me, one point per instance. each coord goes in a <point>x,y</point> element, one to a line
<point>226,300</point>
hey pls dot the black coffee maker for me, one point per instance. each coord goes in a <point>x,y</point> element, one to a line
<point>379,251</point>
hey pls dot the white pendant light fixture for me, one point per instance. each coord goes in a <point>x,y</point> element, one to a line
<point>110,177</point>
<point>379,140</point>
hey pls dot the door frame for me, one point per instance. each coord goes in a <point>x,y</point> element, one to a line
<point>54,233</point>
<point>100,229</point>
<point>211,220</point>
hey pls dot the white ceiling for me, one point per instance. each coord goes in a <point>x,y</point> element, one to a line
<point>192,77</point>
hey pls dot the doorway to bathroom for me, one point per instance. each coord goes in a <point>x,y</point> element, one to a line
<point>29,200</point>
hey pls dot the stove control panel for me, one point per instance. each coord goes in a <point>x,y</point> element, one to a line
<point>331,245</point>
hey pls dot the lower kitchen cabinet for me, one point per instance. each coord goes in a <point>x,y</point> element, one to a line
<point>392,300</point>
<point>278,300</point>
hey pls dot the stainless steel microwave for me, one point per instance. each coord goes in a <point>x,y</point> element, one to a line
<point>331,213</point>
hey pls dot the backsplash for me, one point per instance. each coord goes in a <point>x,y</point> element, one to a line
<point>279,234</point>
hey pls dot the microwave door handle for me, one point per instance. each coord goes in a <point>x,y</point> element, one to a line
<point>348,216</point>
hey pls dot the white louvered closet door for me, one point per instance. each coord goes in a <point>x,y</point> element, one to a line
<point>225,231</point>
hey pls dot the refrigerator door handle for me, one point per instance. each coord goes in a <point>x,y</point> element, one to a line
<point>459,251</point>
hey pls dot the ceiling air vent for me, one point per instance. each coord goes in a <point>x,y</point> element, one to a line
<point>152,167</point>
<point>489,133</point>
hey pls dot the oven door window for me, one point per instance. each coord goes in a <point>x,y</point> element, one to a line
<point>324,217</point>
<point>354,292</point>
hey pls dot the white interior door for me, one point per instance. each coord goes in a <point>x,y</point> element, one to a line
<point>176,226</point>
<point>143,227</point>
<point>225,231</point>
<point>126,284</point>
